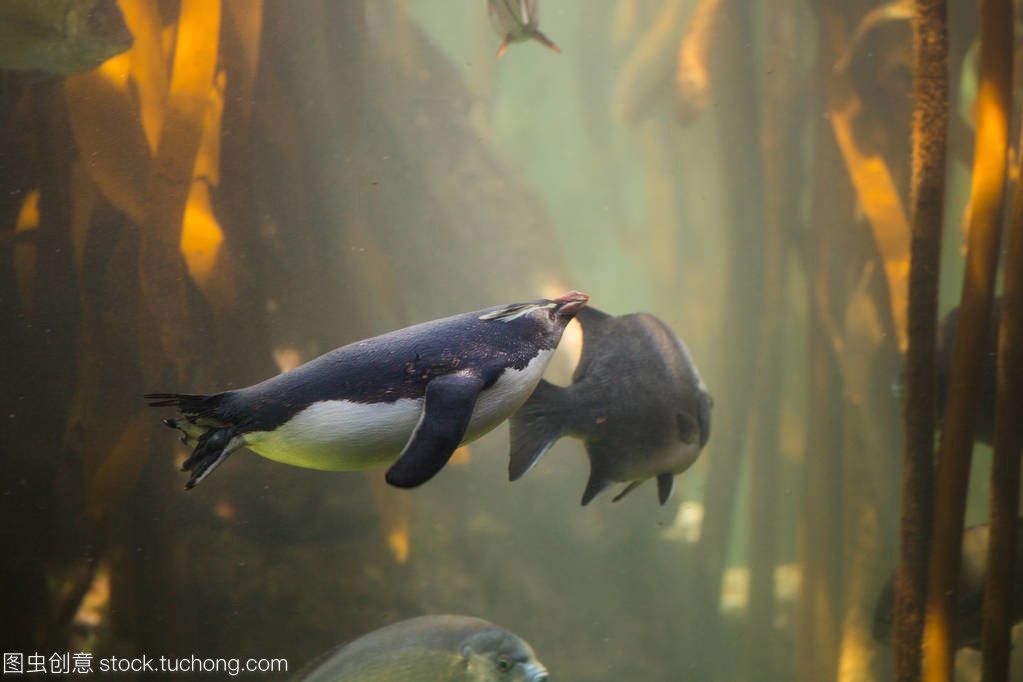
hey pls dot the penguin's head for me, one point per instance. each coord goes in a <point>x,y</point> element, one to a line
<point>548,317</point>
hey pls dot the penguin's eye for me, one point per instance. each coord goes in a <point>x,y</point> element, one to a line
<point>503,664</point>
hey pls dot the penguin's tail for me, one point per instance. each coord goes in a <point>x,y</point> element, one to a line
<point>211,441</point>
<point>535,427</point>
<point>194,406</point>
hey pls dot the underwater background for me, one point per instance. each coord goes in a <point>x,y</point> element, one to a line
<point>253,183</point>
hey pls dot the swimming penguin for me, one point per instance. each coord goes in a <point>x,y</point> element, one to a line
<point>970,594</point>
<point>415,394</point>
<point>636,400</point>
<point>431,649</point>
<point>517,21</point>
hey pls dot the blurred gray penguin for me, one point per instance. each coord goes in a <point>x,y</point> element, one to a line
<point>516,21</point>
<point>969,612</point>
<point>442,648</point>
<point>636,400</point>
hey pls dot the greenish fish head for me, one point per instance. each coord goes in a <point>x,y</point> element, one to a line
<point>497,655</point>
<point>98,32</point>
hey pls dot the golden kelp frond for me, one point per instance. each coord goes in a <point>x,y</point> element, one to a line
<point>107,129</point>
<point>880,201</point>
<point>110,480</point>
<point>647,70</point>
<point>25,254</point>
<point>201,234</point>
<point>83,202</point>
<point>246,23</point>
<point>149,69</point>
<point>394,508</point>
<point>692,72</point>
<point>170,179</point>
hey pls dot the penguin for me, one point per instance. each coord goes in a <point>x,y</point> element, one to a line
<point>636,400</point>
<point>415,394</point>
<point>517,21</point>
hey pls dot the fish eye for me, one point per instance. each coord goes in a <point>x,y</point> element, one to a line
<point>503,664</point>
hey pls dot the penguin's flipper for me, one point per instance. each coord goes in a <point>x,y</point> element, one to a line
<point>665,484</point>
<point>628,489</point>
<point>535,427</point>
<point>447,410</point>
<point>593,322</point>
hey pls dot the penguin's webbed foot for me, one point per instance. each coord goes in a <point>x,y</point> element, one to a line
<point>213,448</point>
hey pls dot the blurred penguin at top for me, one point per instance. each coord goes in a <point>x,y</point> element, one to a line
<point>516,21</point>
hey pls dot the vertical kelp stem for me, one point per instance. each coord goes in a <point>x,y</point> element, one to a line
<point>735,103</point>
<point>930,127</point>
<point>988,186</point>
<point>1005,469</point>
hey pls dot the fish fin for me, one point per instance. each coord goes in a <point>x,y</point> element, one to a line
<point>535,427</point>
<point>628,489</point>
<point>687,427</point>
<point>593,322</point>
<point>539,37</point>
<point>211,451</point>
<point>665,484</point>
<point>706,405</point>
<point>447,410</point>
<point>594,485</point>
<point>501,50</point>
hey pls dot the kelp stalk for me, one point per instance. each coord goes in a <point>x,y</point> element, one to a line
<point>1005,468</point>
<point>930,128</point>
<point>988,186</point>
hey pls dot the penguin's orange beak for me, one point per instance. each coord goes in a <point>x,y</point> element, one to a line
<point>569,304</point>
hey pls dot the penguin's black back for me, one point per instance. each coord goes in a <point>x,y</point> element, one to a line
<point>393,366</point>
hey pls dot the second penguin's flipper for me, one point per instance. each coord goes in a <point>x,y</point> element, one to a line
<point>448,407</point>
<point>665,484</point>
<point>535,428</point>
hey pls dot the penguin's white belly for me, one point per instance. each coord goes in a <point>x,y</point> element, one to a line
<point>500,401</point>
<point>340,435</point>
<point>343,435</point>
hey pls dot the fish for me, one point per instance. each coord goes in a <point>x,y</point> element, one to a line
<point>970,595</point>
<point>636,400</point>
<point>516,21</point>
<point>60,36</point>
<point>414,394</point>
<point>439,648</point>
